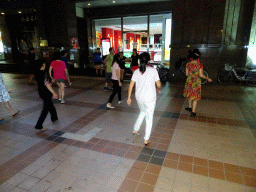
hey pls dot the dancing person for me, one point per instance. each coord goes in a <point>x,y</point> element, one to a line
<point>31,64</point>
<point>122,60</point>
<point>46,92</point>
<point>109,61</point>
<point>194,73</point>
<point>5,97</point>
<point>115,79</point>
<point>97,61</point>
<point>147,83</point>
<point>134,60</point>
<point>63,55</point>
<point>60,74</point>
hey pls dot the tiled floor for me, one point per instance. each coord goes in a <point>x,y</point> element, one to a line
<point>91,148</point>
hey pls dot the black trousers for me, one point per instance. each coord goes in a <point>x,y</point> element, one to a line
<point>116,89</point>
<point>48,107</point>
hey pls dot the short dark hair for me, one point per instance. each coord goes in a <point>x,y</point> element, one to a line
<point>56,55</point>
<point>39,63</point>
<point>121,52</point>
<point>63,52</point>
<point>110,49</point>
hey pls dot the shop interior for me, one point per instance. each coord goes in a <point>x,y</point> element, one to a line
<point>151,33</point>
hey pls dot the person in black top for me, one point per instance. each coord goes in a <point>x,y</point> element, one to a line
<point>122,60</point>
<point>46,92</point>
<point>31,64</point>
<point>134,62</point>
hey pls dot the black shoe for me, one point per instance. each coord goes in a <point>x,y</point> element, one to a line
<point>193,114</point>
<point>188,109</point>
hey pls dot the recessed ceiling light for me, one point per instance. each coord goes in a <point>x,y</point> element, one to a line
<point>114,1</point>
<point>89,4</point>
<point>19,12</point>
<point>2,13</point>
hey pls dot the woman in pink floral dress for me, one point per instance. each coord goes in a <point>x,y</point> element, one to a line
<point>194,73</point>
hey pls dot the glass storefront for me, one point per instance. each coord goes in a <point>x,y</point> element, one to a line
<point>1,47</point>
<point>149,33</point>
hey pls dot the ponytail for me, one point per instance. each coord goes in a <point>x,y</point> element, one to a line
<point>144,58</point>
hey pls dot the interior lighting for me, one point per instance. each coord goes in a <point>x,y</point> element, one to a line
<point>2,13</point>
<point>114,1</point>
<point>19,11</point>
<point>89,4</point>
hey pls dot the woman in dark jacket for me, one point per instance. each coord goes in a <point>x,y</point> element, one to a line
<point>46,92</point>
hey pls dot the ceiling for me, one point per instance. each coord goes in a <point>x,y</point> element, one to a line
<point>103,3</point>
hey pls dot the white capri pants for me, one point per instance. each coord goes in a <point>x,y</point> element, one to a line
<point>146,110</point>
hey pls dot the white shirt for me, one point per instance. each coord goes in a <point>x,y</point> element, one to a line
<point>114,68</point>
<point>145,84</point>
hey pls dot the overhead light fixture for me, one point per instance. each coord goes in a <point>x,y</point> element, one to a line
<point>89,4</point>
<point>2,13</point>
<point>19,11</point>
<point>114,1</point>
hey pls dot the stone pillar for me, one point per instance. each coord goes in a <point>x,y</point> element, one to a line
<point>197,24</point>
<point>236,32</point>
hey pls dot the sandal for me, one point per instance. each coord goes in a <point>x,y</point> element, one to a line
<point>15,113</point>
<point>136,133</point>
<point>146,142</point>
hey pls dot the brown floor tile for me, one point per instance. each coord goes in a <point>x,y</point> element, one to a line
<point>129,185</point>
<point>201,162</point>
<point>119,152</point>
<point>156,134</point>
<point>186,159</point>
<point>20,166</point>
<point>151,145</point>
<point>232,168</point>
<point>108,150</point>
<point>216,165</point>
<point>134,174</point>
<point>68,141</point>
<point>78,144</point>
<point>135,148</point>
<point>248,171</point>
<point>131,155</point>
<point>139,165</point>
<point>211,120</point>
<point>235,178</point>
<point>145,188</point>
<point>154,139</point>
<point>218,174</point>
<point>33,157</point>
<point>185,167</point>
<point>193,118</point>
<point>162,147</point>
<point>155,169</point>
<point>103,142</point>
<point>167,136</point>
<point>113,144</point>
<point>250,181</point>
<point>125,146</point>
<point>200,170</point>
<point>97,147</point>
<point>94,140</point>
<point>149,178</point>
<point>170,163</point>
<point>172,156</point>
<point>183,116</point>
<point>87,145</point>
<point>165,141</point>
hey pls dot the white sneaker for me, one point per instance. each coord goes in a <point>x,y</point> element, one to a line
<point>62,101</point>
<point>119,102</point>
<point>110,106</point>
<point>59,99</point>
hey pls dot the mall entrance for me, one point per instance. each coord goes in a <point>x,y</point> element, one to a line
<point>147,33</point>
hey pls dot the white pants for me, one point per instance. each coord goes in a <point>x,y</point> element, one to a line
<point>146,109</point>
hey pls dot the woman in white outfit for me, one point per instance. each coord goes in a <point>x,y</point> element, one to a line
<point>147,83</point>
